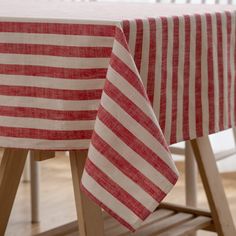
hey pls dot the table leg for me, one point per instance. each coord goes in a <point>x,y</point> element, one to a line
<point>234,134</point>
<point>25,175</point>
<point>221,215</point>
<point>190,178</point>
<point>89,214</point>
<point>35,157</point>
<point>11,169</point>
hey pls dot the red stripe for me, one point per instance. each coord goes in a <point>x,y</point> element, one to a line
<point>228,17</point>
<point>54,50</point>
<point>47,113</point>
<point>53,72</point>
<point>121,68</point>
<point>58,28</point>
<point>198,82</point>
<point>44,134</point>
<point>126,29</point>
<point>162,112</point>
<point>116,190</point>
<point>187,25</point>
<point>50,93</point>
<point>152,60</point>
<point>135,112</point>
<point>211,88</point>
<point>120,37</point>
<point>175,63</point>
<point>139,147</point>
<point>107,209</point>
<point>139,43</point>
<point>220,70</point>
<point>129,170</point>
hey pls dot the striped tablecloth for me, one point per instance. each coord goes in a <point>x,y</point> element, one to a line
<point>124,81</point>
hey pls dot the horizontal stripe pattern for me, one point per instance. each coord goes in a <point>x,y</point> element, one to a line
<point>46,124</point>
<point>55,50</point>
<point>56,39</point>
<point>58,28</point>
<point>52,83</point>
<point>47,113</point>
<point>59,62</point>
<point>64,84</point>
<point>51,71</point>
<point>51,79</point>
<point>50,93</point>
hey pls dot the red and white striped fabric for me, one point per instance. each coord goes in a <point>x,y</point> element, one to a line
<point>188,70</point>
<point>107,85</point>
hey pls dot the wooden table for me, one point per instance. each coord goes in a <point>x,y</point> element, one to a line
<point>48,54</point>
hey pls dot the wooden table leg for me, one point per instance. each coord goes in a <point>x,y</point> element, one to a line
<point>35,157</point>
<point>190,178</point>
<point>11,169</point>
<point>89,214</point>
<point>26,171</point>
<point>221,215</point>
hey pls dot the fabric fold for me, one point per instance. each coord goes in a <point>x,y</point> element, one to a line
<point>127,136</point>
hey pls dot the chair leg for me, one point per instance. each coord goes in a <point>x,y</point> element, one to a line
<point>34,188</point>
<point>89,214</point>
<point>221,215</point>
<point>11,169</point>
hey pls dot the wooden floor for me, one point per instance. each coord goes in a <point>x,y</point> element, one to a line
<point>57,203</point>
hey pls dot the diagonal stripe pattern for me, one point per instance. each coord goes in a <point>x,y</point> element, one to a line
<point>136,130</point>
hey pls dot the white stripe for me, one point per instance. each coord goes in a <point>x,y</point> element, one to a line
<point>54,83</point>
<point>53,104</point>
<point>215,67</point>
<point>132,37</point>
<point>125,57</point>
<point>46,124</point>
<point>145,53</point>
<point>137,130</point>
<point>44,144</point>
<point>130,92</point>
<point>121,179</point>
<point>132,157</point>
<point>180,85</point>
<point>192,61</point>
<point>225,68</point>
<point>111,202</point>
<point>204,77</point>
<point>54,61</point>
<point>232,67</point>
<point>56,39</point>
<point>167,132</point>
<point>158,75</point>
